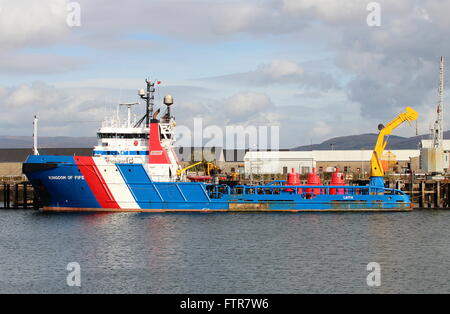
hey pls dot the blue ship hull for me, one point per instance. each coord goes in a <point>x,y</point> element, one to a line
<point>70,183</point>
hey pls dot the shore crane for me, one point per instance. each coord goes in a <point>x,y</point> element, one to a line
<point>377,171</point>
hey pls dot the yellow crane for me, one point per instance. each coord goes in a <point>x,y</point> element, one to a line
<point>377,171</point>
<point>209,166</point>
<point>181,171</point>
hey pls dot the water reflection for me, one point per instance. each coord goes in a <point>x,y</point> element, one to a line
<point>225,253</point>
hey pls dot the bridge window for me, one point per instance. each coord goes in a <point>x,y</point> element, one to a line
<point>123,135</point>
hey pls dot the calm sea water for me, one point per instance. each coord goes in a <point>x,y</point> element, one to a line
<point>225,253</point>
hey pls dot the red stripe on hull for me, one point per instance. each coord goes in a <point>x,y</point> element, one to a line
<point>96,182</point>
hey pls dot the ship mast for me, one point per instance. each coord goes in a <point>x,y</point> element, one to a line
<point>149,96</point>
<point>128,105</point>
<point>35,129</point>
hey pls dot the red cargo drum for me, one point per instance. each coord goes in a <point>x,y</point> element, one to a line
<point>313,179</point>
<point>337,178</point>
<point>293,179</point>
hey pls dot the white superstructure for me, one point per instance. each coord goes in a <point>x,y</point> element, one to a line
<point>122,140</point>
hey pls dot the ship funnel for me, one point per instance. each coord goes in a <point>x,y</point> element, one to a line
<point>155,115</point>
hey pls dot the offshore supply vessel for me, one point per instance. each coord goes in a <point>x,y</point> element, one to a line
<point>134,168</point>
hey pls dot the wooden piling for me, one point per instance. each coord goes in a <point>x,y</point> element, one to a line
<point>35,200</point>
<point>4,195</point>
<point>25,196</point>
<point>422,195</point>
<point>437,195</point>
<point>411,191</point>
<point>448,194</point>
<point>16,196</point>
<point>8,196</point>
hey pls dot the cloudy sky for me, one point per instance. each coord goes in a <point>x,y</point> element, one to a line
<point>313,67</point>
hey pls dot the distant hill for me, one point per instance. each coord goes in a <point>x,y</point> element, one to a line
<point>351,142</point>
<point>367,141</point>
<point>47,142</point>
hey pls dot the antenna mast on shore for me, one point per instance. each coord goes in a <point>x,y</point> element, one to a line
<point>437,130</point>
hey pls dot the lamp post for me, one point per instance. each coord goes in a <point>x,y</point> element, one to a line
<point>362,163</point>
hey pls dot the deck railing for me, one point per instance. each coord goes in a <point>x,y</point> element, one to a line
<point>216,191</point>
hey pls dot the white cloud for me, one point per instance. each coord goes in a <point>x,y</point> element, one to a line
<point>244,108</point>
<point>329,10</point>
<point>396,64</point>
<point>386,67</point>
<point>32,63</point>
<point>58,109</point>
<point>321,128</point>
<point>281,68</point>
<point>25,23</point>
<point>281,72</point>
<point>341,13</point>
<point>243,105</point>
<point>29,24</point>
<point>79,111</point>
<point>199,20</point>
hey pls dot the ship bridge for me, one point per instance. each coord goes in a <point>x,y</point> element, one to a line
<point>121,139</point>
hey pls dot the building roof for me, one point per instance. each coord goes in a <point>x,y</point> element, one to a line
<point>285,155</point>
<point>331,155</point>
<point>362,155</point>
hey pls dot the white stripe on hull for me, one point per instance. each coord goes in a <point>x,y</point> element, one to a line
<point>116,183</point>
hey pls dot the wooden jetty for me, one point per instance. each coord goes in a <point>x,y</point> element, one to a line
<point>18,195</point>
<point>427,193</point>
